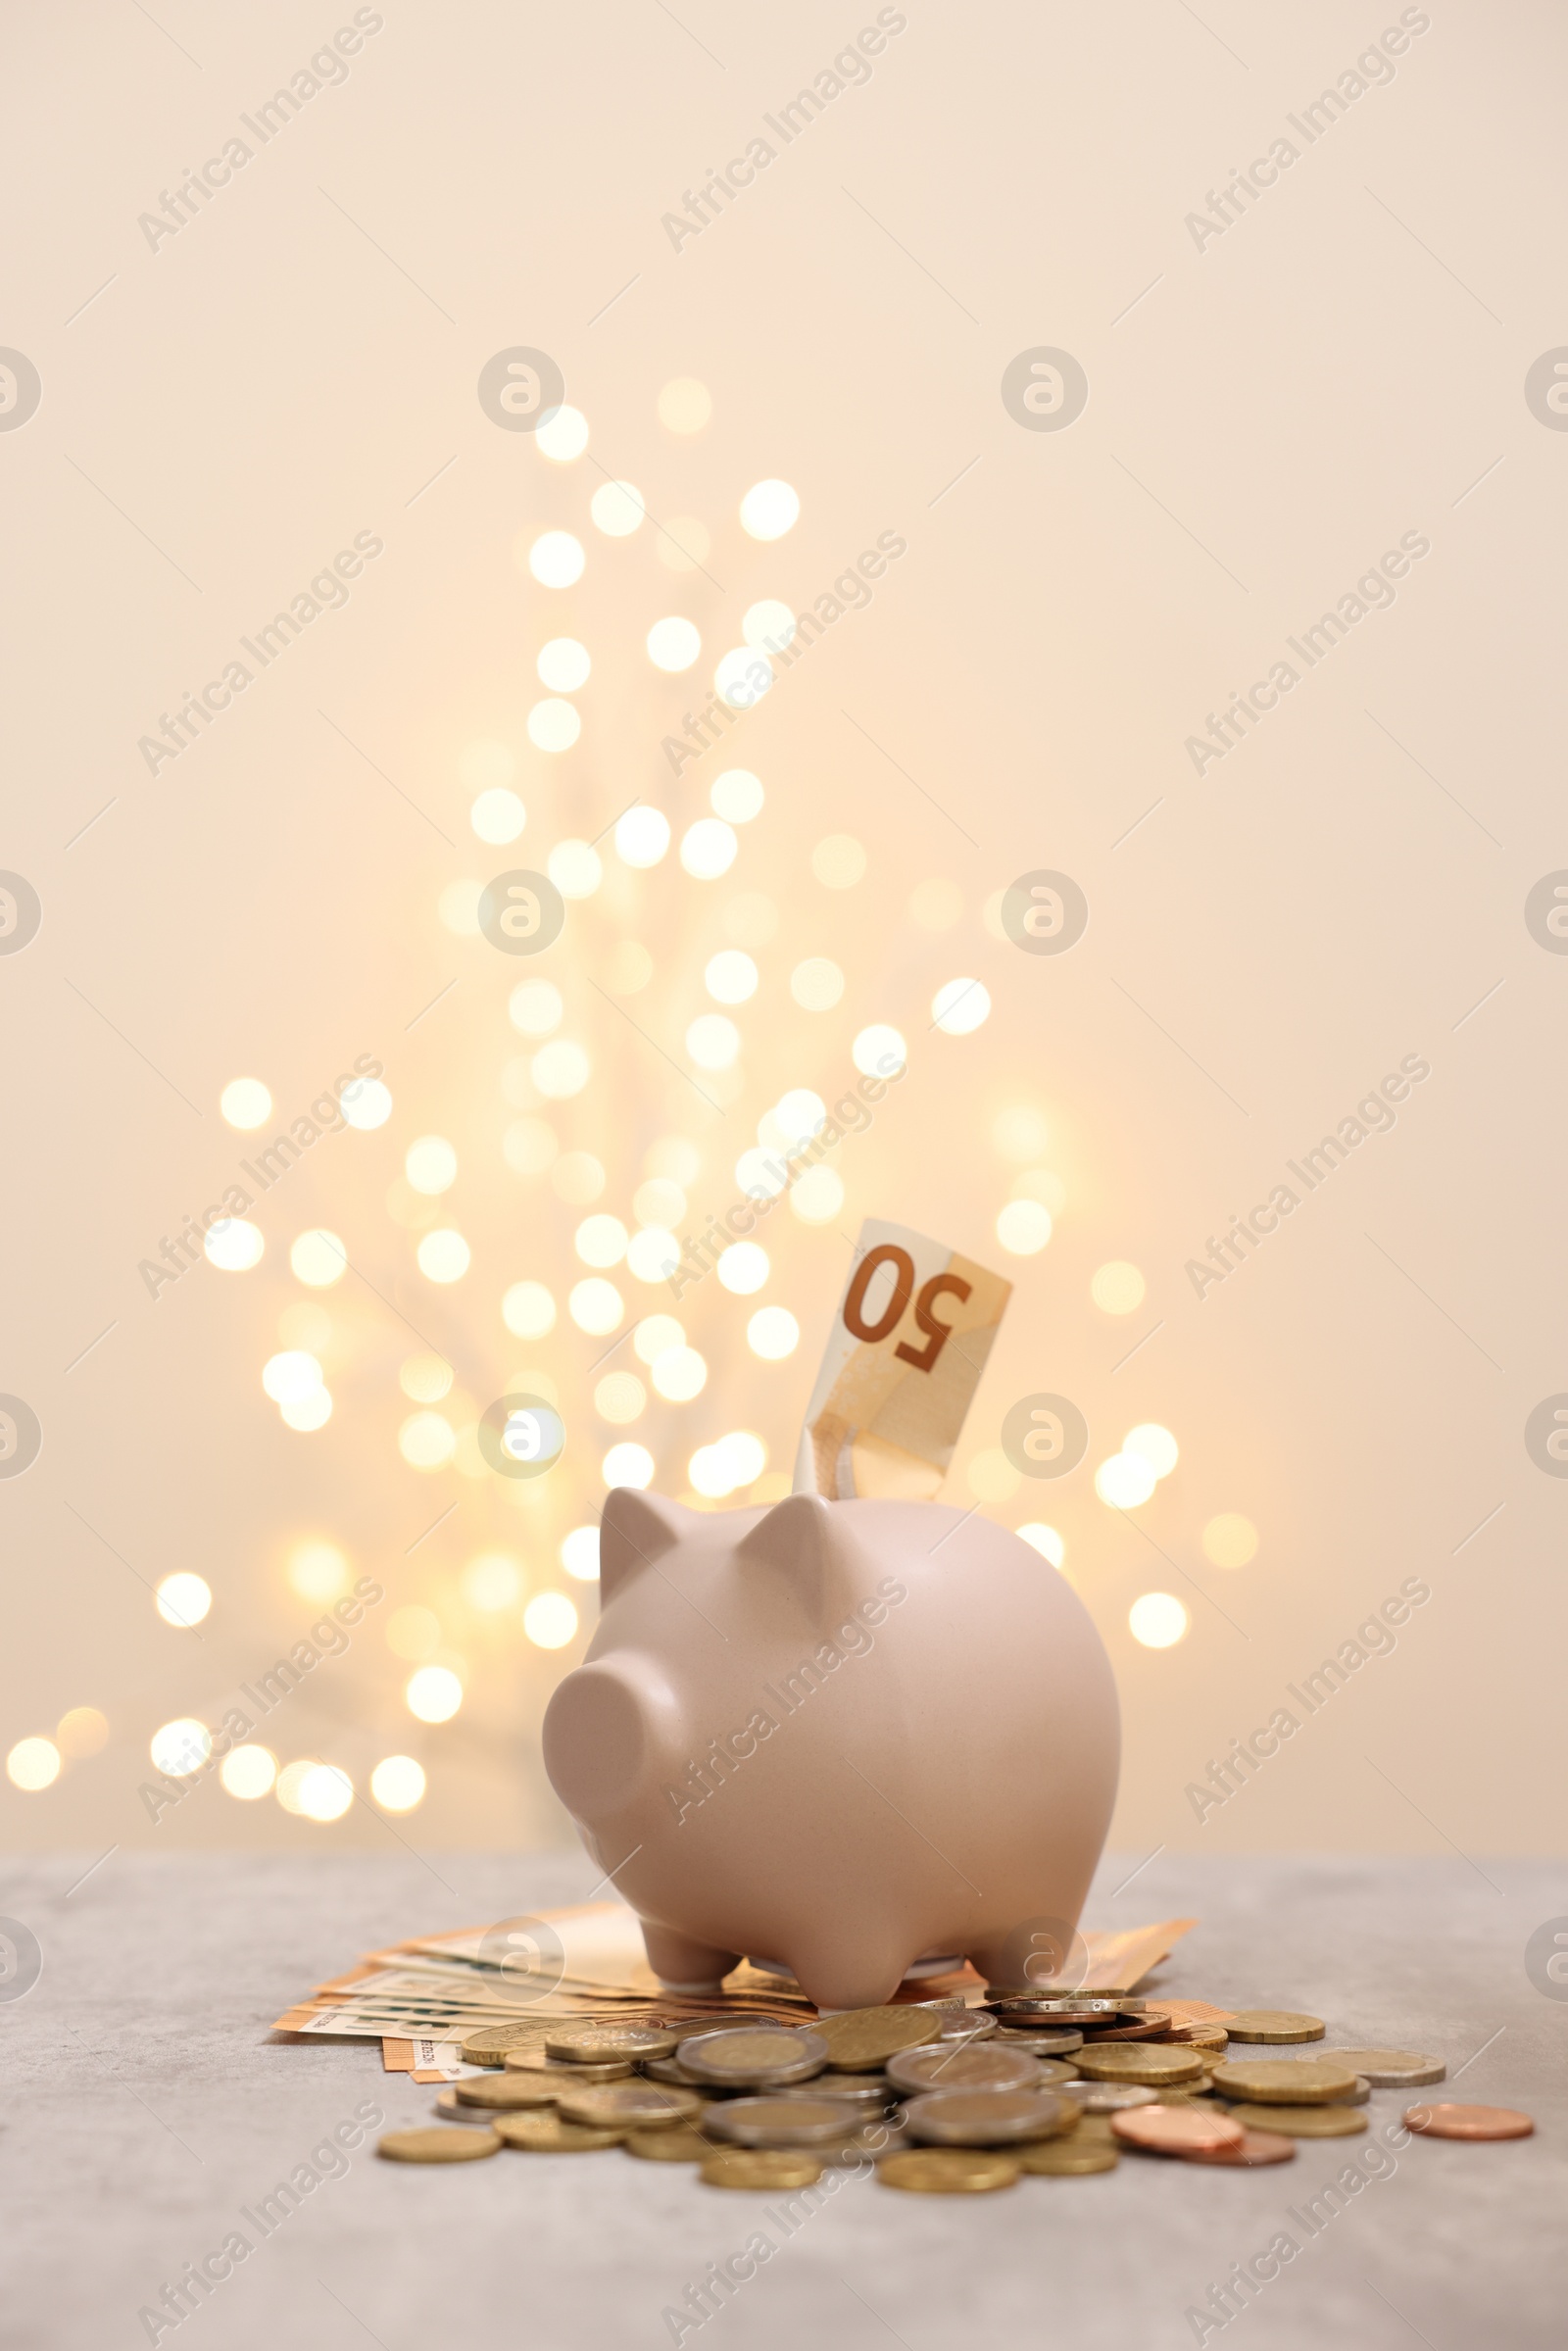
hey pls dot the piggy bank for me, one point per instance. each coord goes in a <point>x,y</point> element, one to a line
<point>837,1739</point>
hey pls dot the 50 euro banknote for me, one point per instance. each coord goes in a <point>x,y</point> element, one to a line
<point>909,1341</point>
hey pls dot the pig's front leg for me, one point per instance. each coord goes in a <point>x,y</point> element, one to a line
<point>682,1965</point>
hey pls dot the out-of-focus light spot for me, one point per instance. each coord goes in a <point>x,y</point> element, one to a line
<point>742,676</point>
<point>679,1374</point>
<point>800,1115</point>
<point>443,1256</point>
<point>290,1780</point>
<point>642,837</point>
<point>660,1202</point>
<point>652,1254</point>
<point>580,1554</point>
<point>673,644</point>
<point>317,1258</point>
<point>879,1051</point>
<point>760,1174</point>
<point>180,1747</point>
<point>183,1599</point>
<point>936,906</point>
<point>248,1772</point>
<point>528,1310</point>
<point>735,1460</point>
<point>684,543</point>
<point>560,1070</point>
<point>498,816</point>
<point>736,796</point>
<point>414,1632</point>
<point>575,868</point>
<point>34,1763</point>
<point>564,665</point>
<point>816,985</point>
<point>839,861</point>
<point>556,558</point>
<point>562,435</point>
<point>654,1334</point>
<point>397,1784</point>
<point>685,405</point>
<point>619,1398</point>
<point>246,1104</point>
<point>713,1042</point>
<point>427,1441</point>
<point>600,1240</point>
<point>1230,1541</point>
<point>491,1583</point>
<point>958,1006</point>
<point>325,1792</point>
<point>1159,1621</point>
<point>554,725</point>
<point>730,977</point>
<point>534,1008</point>
<point>819,1195</point>
<point>1156,1445</point>
<point>743,1267</point>
<point>617,508</point>
<point>1124,1481</point>
<point>707,849</point>
<point>769,625</point>
<point>1117,1288</point>
<point>232,1244</point>
<point>1020,1133</point>
<point>367,1105</point>
<point>1024,1228</point>
<point>751,918</point>
<point>769,509</point>
<point>529,1147</point>
<point>577,1178</point>
<point>550,1620</point>
<point>433,1693</point>
<point>596,1306</point>
<point>627,1465</point>
<point>308,1413</point>
<point>772,1333</point>
<point>1044,1540</point>
<point>318,1570</point>
<point>82,1730</point>
<point>290,1377</point>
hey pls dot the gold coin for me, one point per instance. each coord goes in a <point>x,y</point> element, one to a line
<point>1272,2026</point>
<point>1198,2037</point>
<point>1390,2069</point>
<point>504,2091</point>
<point>1301,2122</point>
<point>761,2167</point>
<point>547,2133</point>
<point>630,2106</point>
<point>1067,2158</point>
<point>581,2074</point>
<point>671,2146</point>
<point>438,2144</point>
<point>863,2039</point>
<point>947,2171</point>
<point>595,2044</point>
<point>1290,2081</point>
<point>1138,2061</point>
<point>489,2046</point>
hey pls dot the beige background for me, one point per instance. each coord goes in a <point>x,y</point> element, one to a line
<point>1340,366</point>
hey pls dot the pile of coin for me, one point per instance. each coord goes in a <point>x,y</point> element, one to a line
<point>944,2098</point>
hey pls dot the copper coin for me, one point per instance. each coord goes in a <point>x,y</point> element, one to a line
<point>1144,2029</point>
<point>1257,2147</point>
<point>1449,2120</point>
<point>1174,2129</point>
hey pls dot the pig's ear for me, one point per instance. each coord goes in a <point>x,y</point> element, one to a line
<point>635,1529</point>
<point>799,1538</point>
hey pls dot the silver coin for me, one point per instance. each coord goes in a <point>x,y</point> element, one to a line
<point>754,2056</point>
<point>1094,2005</point>
<point>958,2021</point>
<point>670,2069</point>
<point>1402,2068</point>
<point>1038,2044</point>
<point>987,2118</point>
<point>862,2094</point>
<point>1109,2097</point>
<point>943,2066</point>
<point>778,2122</point>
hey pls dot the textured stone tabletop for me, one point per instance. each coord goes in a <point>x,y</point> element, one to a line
<point>146,2103</point>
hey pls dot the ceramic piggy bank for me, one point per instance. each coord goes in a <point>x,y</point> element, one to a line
<point>838,1738</point>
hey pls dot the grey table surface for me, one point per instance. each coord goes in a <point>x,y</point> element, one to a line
<point>147,2104</point>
